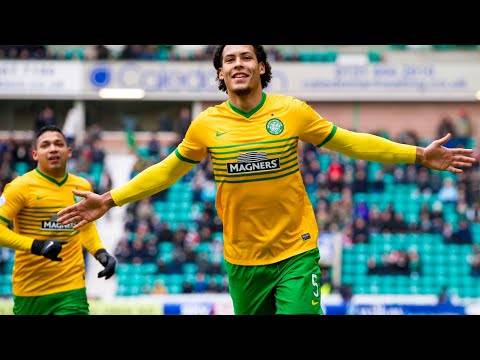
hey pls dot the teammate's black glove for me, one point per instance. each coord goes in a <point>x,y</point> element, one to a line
<point>47,248</point>
<point>108,262</point>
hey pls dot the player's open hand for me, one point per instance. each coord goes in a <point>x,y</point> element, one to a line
<point>89,209</point>
<point>436,156</point>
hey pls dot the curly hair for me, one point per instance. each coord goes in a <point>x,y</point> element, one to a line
<point>261,57</point>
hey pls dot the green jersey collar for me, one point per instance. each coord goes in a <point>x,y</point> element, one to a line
<point>53,180</point>
<point>248,114</point>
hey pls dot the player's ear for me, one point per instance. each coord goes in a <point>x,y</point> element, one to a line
<point>34,154</point>
<point>69,152</point>
<point>220,74</point>
<point>262,68</point>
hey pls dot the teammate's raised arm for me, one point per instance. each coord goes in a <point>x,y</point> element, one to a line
<point>152,180</point>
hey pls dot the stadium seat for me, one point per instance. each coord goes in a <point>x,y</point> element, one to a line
<point>190,268</point>
<point>21,167</point>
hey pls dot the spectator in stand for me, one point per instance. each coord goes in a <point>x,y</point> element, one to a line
<point>437,210</point>
<point>44,118</point>
<point>444,297</point>
<point>360,184</point>
<point>183,122</point>
<point>153,146</point>
<point>211,286</point>
<point>399,175</point>
<point>361,210</point>
<point>314,168</point>
<point>446,126</point>
<point>463,125</point>
<point>474,261</point>
<point>374,220</point>
<point>463,235</point>
<point>448,193</point>
<point>138,253</point>
<point>151,252</point>
<point>377,185</point>
<point>360,231</point>
<point>341,210</point>
<point>372,268</point>
<point>423,181</point>
<point>447,233</point>
<point>144,210</point>
<point>323,215</point>
<point>388,221</point>
<point>200,284</point>
<point>402,264</point>
<point>123,251</point>
<point>176,265</point>
<point>98,154</point>
<point>414,262</point>
<point>411,174</point>
<point>399,224</point>
<point>335,174</point>
<point>131,52</point>
<point>159,288</point>
<point>394,263</point>
<point>162,230</point>
<point>187,287</point>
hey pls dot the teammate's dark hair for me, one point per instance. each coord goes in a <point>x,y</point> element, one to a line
<point>44,130</point>
<point>261,57</point>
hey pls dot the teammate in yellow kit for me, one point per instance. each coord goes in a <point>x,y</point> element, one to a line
<point>270,232</point>
<point>29,204</point>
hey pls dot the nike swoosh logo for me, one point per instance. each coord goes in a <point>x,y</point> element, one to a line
<point>40,197</point>
<point>315,302</point>
<point>47,247</point>
<point>220,133</point>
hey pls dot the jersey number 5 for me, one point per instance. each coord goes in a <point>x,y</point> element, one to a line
<point>315,285</point>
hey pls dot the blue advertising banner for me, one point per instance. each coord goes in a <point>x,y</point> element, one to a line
<point>394,309</point>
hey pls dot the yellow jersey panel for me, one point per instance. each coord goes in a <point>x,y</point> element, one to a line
<point>261,197</point>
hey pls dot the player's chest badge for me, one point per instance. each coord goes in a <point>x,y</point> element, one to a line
<point>275,126</point>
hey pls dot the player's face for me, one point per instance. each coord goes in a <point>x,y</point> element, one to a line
<point>241,70</point>
<point>51,151</point>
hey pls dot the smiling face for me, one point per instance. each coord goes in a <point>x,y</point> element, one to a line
<point>241,70</point>
<point>51,152</point>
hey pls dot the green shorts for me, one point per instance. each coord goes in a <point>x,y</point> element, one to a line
<point>289,287</point>
<point>73,302</point>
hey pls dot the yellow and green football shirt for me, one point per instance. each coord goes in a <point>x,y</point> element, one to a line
<point>261,197</point>
<point>29,205</point>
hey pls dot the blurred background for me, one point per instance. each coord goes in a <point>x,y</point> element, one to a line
<point>393,239</point>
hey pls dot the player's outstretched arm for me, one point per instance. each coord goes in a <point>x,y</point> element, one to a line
<point>150,181</point>
<point>375,148</point>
